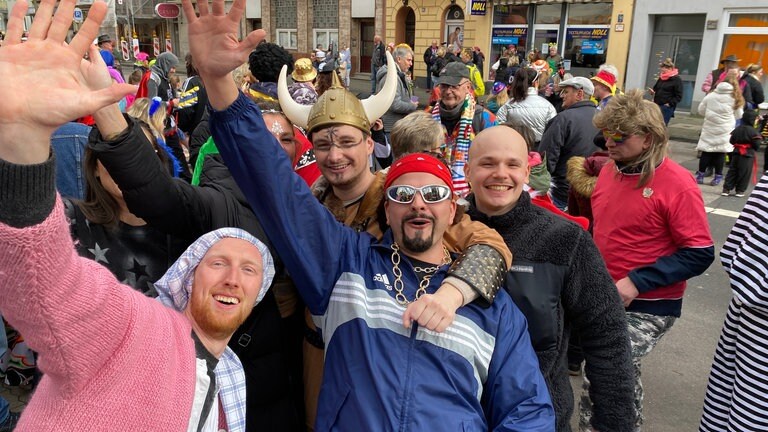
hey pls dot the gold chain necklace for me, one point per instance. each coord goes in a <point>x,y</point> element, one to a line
<point>399,296</point>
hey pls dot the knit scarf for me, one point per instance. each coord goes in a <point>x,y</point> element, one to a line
<point>457,142</point>
<point>668,74</point>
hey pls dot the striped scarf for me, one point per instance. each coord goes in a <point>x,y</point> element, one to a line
<point>456,147</point>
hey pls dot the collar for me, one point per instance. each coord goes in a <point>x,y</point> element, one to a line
<point>504,222</point>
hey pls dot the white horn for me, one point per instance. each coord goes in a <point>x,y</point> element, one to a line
<point>297,113</point>
<point>376,105</point>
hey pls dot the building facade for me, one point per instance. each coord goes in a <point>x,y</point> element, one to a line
<point>696,35</point>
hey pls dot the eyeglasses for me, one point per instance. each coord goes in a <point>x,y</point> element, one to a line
<point>437,152</point>
<point>444,87</point>
<point>616,137</point>
<point>325,147</point>
<point>431,194</point>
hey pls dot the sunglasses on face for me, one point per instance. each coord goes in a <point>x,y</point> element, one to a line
<point>431,194</point>
<point>616,137</point>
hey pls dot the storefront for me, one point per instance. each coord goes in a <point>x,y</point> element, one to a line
<point>579,30</point>
<point>695,35</point>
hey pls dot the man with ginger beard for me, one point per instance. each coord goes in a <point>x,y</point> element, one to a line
<point>99,342</point>
<point>559,281</point>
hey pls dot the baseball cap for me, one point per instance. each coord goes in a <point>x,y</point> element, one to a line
<point>579,83</point>
<point>453,73</point>
<point>103,38</point>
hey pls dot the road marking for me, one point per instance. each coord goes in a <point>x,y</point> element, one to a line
<point>722,212</point>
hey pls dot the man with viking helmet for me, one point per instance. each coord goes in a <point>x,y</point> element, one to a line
<point>337,125</point>
<point>480,373</point>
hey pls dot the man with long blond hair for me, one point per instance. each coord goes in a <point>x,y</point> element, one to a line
<point>649,224</point>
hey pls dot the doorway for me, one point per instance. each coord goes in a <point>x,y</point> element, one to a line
<point>454,27</point>
<point>677,37</point>
<point>367,31</point>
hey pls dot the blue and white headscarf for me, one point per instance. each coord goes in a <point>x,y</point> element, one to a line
<point>175,287</point>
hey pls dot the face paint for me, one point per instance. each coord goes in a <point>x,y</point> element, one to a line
<point>277,128</point>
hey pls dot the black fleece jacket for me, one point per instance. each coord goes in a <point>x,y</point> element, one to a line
<point>559,280</point>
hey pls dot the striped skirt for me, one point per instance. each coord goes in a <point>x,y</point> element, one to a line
<point>737,392</point>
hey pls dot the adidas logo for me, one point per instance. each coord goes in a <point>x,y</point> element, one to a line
<point>378,277</point>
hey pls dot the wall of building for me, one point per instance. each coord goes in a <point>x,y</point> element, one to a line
<point>643,28</point>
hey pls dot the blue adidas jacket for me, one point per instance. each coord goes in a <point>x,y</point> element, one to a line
<point>481,374</point>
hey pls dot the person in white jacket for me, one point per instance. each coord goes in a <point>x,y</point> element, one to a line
<point>720,109</point>
<point>526,103</point>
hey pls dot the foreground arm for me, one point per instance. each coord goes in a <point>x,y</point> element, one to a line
<point>56,299</point>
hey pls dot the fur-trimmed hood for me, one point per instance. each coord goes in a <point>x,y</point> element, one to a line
<point>583,172</point>
<point>369,215</point>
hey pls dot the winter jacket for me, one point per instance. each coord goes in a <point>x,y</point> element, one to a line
<point>747,140</point>
<point>668,91</point>
<point>755,88</point>
<point>401,105</point>
<point>719,120</point>
<point>187,211</point>
<point>569,134</point>
<point>192,104</point>
<point>379,375</point>
<point>559,281</point>
<point>476,77</point>
<point>582,175</point>
<point>534,111</point>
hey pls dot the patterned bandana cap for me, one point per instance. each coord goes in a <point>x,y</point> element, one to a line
<point>175,287</point>
<point>418,162</point>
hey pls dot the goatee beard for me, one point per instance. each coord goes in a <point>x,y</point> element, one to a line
<point>420,242</point>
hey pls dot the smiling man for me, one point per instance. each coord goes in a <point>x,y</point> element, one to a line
<point>480,373</point>
<point>559,281</point>
<point>112,358</point>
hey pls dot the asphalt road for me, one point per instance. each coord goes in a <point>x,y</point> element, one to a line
<point>675,373</point>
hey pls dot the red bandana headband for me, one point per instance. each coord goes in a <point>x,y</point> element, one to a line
<point>418,162</point>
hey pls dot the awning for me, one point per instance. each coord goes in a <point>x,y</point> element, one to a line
<point>528,2</point>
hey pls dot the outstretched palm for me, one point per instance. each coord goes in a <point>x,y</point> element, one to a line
<point>213,37</point>
<point>46,83</point>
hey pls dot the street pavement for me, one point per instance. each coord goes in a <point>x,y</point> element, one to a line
<point>675,372</point>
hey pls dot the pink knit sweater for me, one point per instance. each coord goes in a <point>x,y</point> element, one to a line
<point>113,359</point>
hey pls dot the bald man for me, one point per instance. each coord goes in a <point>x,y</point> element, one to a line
<point>558,279</point>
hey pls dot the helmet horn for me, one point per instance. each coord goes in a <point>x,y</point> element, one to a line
<point>376,105</point>
<point>297,113</point>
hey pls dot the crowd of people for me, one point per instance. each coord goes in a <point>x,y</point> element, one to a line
<point>258,248</point>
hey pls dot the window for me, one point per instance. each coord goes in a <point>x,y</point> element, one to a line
<point>748,20</point>
<point>507,14</point>
<point>548,14</point>
<point>599,13</point>
<point>324,38</point>
<point>287,38</point>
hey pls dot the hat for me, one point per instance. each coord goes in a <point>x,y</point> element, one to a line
<point>103,38</point>
<point>453,73</point>
<point>731,58</point>
<point>303,70</point>
<point>498,87</point>
<point>605,78</point>
<point>418,162</point>
<point>579,83</point>
<point>142,56</point>
<point>338,106</point>
<point>540,65</point>
<point>320,55</point>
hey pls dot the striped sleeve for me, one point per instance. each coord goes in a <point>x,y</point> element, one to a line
<point>745,252</point>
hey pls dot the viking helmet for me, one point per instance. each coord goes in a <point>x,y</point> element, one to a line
<point>337,105</point>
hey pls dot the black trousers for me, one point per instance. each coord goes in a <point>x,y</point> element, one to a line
<point>716,160</point>
<point>739,173</point>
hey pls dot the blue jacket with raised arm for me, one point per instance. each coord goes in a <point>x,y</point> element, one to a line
<point>480,374</point>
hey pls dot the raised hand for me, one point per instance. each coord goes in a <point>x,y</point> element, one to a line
<point>214,44</point>
<point>45,83</point>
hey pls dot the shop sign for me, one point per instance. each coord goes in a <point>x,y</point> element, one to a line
<point>506,36</point>
<point>479,7</point>
<point>593,40</point>
<point>167,10</point>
